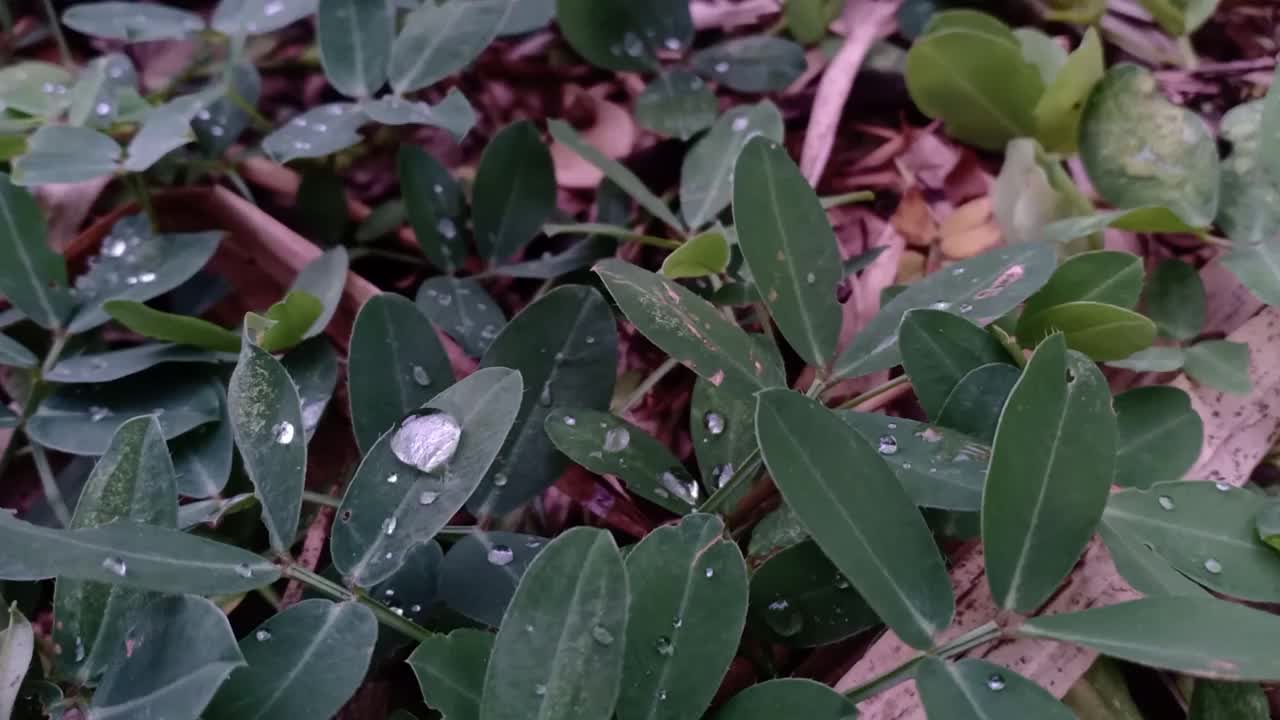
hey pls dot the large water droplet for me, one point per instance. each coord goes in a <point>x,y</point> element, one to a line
<point>710,573</point>
<point>1223,487</point>
<point>244,571</point>
<point>426,497</point>
<point>570,420</point>
<point>617,439</point>
<point>888,445</point>
<point>446,228</point>
<point>784,619</point>
<point>420,376</point>
<point>1212,566</point>
<point>665,647</point>
<point>739,124</point>
<point>940,305</point>
<point>995,682</point>
<point>426,441</point>
<point>115,566</point>
<point>262,635</point>
<point>722,474</point>
<point>282,432</point>
<point>1166,502</point>
<point>683,489</point>
<point>500,555</point>
<point>602,635</point>
<point>714,422</point>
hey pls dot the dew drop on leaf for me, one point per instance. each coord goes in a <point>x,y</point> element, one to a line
<point>1212,566</point>
<point>617,439</point>
<point>685,490</point>
<point>540,690</point>
<point>115,566</point>
<point>420,376</point>
<point>282,432</point>
<point>448,231</point>
<point>710,573</point>
<point>1223,487</point>
<point>665,647</point>
<point>393,478</point>
<point>721,67</point>
<point>426,441</point>
<point>1166,502</point>
<point>941,305</point>
<point>714,422</point>
<point>262,635</point>
<point>389,525</point>
<point>995,682</point>
<point>544,397</point>
<point>602,635</point>
<point>500,555</point>
<point>97,413</point>
<point>570,420</point>
<point>500,480</point>
<point>244,571</point>
<point>888,445</point>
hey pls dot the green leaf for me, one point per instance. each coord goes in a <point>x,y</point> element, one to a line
<point>181,650</point>
<point>34,277</point>
<point>266,418</point>
<point>313,367</point>
<point>481,571</point>
<point>939,349</point>
<point>1180,17</point>
<point>1250,196</point>
<point>690,329</point>
<point>355,44</point>
<point>1224,641</point>
<point>565,345</point>
<point>64,154</point>
<point>514,191</point>
<point>395,365</point>
<point>804,600</point>
<point>17,646</point>
<point>976,82</point>
<point>391,506</point>
<point>139,556</point>
<point>411,590</point>
<point>223,120</point>
<point>701,255</point>
<point>133,481</point>
<point>453,114</point>
<point>164,128</point>
<point>569,665</point>
<point>677,104</point>
<point>1268,524</point>
<point>807,20</point>
<point>1101,276</point>
<point>305,662</point>
<point>789,245</point>
<point>705,187</point>
<point>1175,299</point>
<point>292,318</point>
<point>722,427</point>
<point>462,308</point>
<point>25,87</point>
<point>794,697</point>
<point>1051,468</point>
<point>1220,364</point>
<point>1101,331</point>
<point>1141,566</point>
<point>1057,113</point>
<point>972,689</point>
<point>528,16</point>
<point>131,21</point>
<point>439,40</point>
<point>170,327</point>
<point>608,445</point>
<point>212,511</point>
<point>116,364</point>
<point>688,608</point>
<point>871,529</point>
<point>104,84</point>
<point>1204,530</point>
<point>983,288</point>
<point>1153,359</point>
<point>622,35</point>
<point>81,419</point>
<point>15,354</point>
<point>621,176</point>
<point>324,278</point>
<point>939,468</point>
<point>1149,218</point>
<point>320,131</point>
<point>450,671</point>
<point>202,457</point>
<point>1228,701</point>
<point>1140,149</point>
<point>1037,48</point>
<point>254,17</point>
<point>751,64</point>
<point>1033,190</point>
<point>434,204</point>
<point>1159,435</point>
<point>973,20</point>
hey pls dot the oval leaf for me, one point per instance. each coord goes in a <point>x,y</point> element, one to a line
<point>481,571</point>
<point>939,468</point>
<point>621,35</point>
<point>439,40</point>
<point>973,689</point>
<point>794,697</point>
<point>1101,331</point>
<point>462,308</point>
<point>676,103</point>
<point>939,349</point>
<point>450,671</point>
<point>318,132</point>
<point>1140,565</point>
<point>355,44</point>
<point>17,646</point>
<point>116,364</point>
<point>704,254</point>
<point>1220,364</point>
<point>202,457</point>
<point>131,21</point>
<point>1175,299</point>
<point>705,188</point>
<point>171,327</point>
<point>34,277</point>
<point>1159,435</point>
<point>805,601</point>
<point>974,406</point>
<point>434,204</point>
<point>324,278</point>
<point>752,64</point>
<point>514,191</point>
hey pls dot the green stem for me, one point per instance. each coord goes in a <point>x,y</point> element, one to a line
<point>55,28</point>
<point>139,188</point>
<point>49,483</point>
<point>35,395</point>
<point>260,122</point>
<point>848,198</point>
<point>269,595</point>
<point>720,499</point>
<point>357,253</point>
<point>956,646</point>
<point>335,591</point>
<point>874,392</point>
<point>647,384</point>
<point>321,499</point>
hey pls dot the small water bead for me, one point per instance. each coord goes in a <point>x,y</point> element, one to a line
<point>420,376</point>
<point>446,228</point>
<point>1223,487</point>
<point>97,413</point>
<point>426,497</point>
<point>244,571</point>
<point>544,397</point>
<point>102,109</point>
<point>415,608</point>
<point>301,145</point>
<point>115,566</point>
<point>262,635</point>
<point>426,441</point>
<point>617,439</point>
<point>602,635</point>
<point>389,525</point>
<point>888,445</point>
<point>662,694</point>
<point>79,649</point>
<point>671,43</point>
<point>677,622</point>
<point>437,189</point>
<point>940,305</point>
<point>114,247</point>
<point>710,573</point>
<point>632,44</point>
<point>714,422</point>
<point>216,130</point>
<point>966,308</point>
<point>282,432</point>
<point>539,689</point>
<point>398,611</point>
<point>500,480</point>
<point>1166,502</point>
<point>665,647</point>
<point>995,682</point>
<point>390,592</point>
<point>685,490</point>
<point>321,127</point>
<point>500,555</point>
<point>810,278</point>
<point>393,479</point>
<point>147,277</point>
<point>273,8</point>
<point>204,115</point>
<point>739,124</point>
<point>893,426</point>
<point>721,67</point>
<point>1212,566</point>
<point>570,420</point>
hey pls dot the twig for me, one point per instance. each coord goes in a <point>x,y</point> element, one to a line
<point>49,483</point>
<point>384,614</point>
<point>64,51</point>
<point>647,384</point>
<point>321,499</point>
<point>874,392</point>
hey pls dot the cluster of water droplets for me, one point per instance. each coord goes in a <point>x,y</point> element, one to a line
<point>124,259</point>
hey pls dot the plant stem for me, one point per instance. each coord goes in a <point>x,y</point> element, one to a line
<point>647,384</point>
<point>874,392</point>
<point>720,498</point>
<point>260,122</point>
<point>335,591</point>
<point>321,499</point>
<point>848,198</point>
<point>49,483</point>
<point>139,188</point>
<point>35,395</point>
<point>56,29</point>
<point>956,646</point>
<point>271,597</point>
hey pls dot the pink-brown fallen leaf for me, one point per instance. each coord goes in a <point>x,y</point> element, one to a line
<point>613,133</point>
<point>66,206</point>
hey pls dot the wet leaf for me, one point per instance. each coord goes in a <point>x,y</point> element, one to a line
<point>705,185</point>
<point>116,364</point>
<point>795,696</point>
<point>1153,359</point>
<point>1207,533</point>
<point>871,530</point>
<point>1220,364</point>
<point>559,652</point>
<point>1141,566</point>
<point>1226,641</point>
<point>395,365</point>
<point>306,661</point>
<point>324,278</point>
<point>689,329</point>
<point>453,114</point>
<point>751,64</point>
<point>133,481</point>
<point>15,354</point>
<point>608,445</point>
<point>481,571</point>
<point>354,38</point>
<point>450,671</point>
<point>939,349</point>
<point>434,205</point>
<point>621,35</point>
<point>1057,113</point>
<point>982,288</point>
<point>17,646</point>
<point>164,128</point>
<point>180,650</point>
<point>313,367</point>
<point>266,419</point>
<point>25,87</point>
<point>202,457</point>
<point>514,191</point>
<point>131,21</point>
<point>64,154</point>
<point>1052,464</point>
<point>1250,196</point>
<point>1228,701</point>
<point>391,506</point>
<point>1159,435</point>
<point>219,125</point>
<point>804,600</point>
<point>439,40</point>
<point>254,17</point>
<point>722,427</point>
<point>565,345</point>
<point>972,689</point>
<point>1175,299</point>
<point>1099,330</point>
<point>170,327</point>
<point>212,511</point>
<point>939,468</point>
<point>104,87</point>
<point>676,103</point>
<point>320,131</point>
<point>34,277</point>
<point>1139,149</point>
<point>462,308</point>
<point>411,590</point>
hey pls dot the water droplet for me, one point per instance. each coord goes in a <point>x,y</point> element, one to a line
<point>966,308</point>
<point>500,555</point>
<point>97,413</point>
<point>437,189</point>
<point>262,635</point>
<point>539,689</point>
<point>398,611</point>
<point>426,441</point>
<point>116,72</point>
<point>671,43</point>
<point>244,571</point>
<point>721,67</point>
<point>665,647</point>
<point>632,45</point>
<point>1166,502</point>
<point>393,478</point>
<point>426,497</point>
<point>662,694</point>
<point>929,435</point>
<point>282,432</point>
<point>301,145</point>
<point>1223,487</point>
<point>995,682</point>
<point>114,247</point>
<point>79,649</point>
<point>415,608</point>
<point>783,619</point>
<point>714,422</point>
<point>500,480</point>
<point>685,490</point>
<point>102,109</point>
<point>544,397</point>
<point>147,277</point>
<point>602,635</point>
<point>446,228</point>
<point>216,130</point>
<point>420,376</point>
<point>710,573</point>
<point>273,8</point>
<point>204,115</point>
<point>941,305</point>
<point>570,420</point>
<point>320,127</point>
<point>1212,566</point>
<point>115,566</point>
<point>722,474</point>
<point>888,445</point>
<point>389,525</point>
<point>617,439</point>
<point>739,124</point>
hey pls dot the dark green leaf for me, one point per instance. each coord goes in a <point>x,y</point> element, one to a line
<point>805,601</point>
<point>1228,701</point>
<point>787,697</point>
<point>324,278</point>
<point>164,128</point>
<point>1249,206</point>
<point>304,662</point>
<point>1148,218</point>
<point>450,671</point>
<point>63,154</point>
<point>1051,468</point>
<point>222,121</point>
<point>413,588</point>
<point>395,365</point>
<point>870,529</point>
<point>565,345</point>
<point>178,653</point>
<point>705,187</point>
<point>1159,435</point>
<point>453,114</point>
<point>318,132</point>
<point>1175,299</point>
<point>116,364</point>
<point>1153,359</point>
<point>202,457</point>
<point>481,571</point>
<point>390,505</point>
<point>80,419</point>
<point>103,91</point>
<point>15,354</point>
<point>133,481</point>
<point>807,20</point>
<point>789,245</point>
<point>622,35</point>
<point>1220,364</point>
<point>17,646</point>
<point>1141,566</point>
<point>384,219</point>
<point>514,191</point>
<point>939,349</point>
<point>34,277</point>
<point>972,689</point>
<point>689,329</point>
<point>212,511</point>
<point>527,16</point>
<point>939,468</point>
<point>1205,637</point>
<point>676,103</point>
<point>462,308</point>
<point>722,427</point>
<point>433,202</point>
<point>131,21</point>
<point>1101,331</point>
<point>752,64</point>
<point>254,17</point>
<point>983,288</point>
<point>266,418</point>
<point>355,37</point>
<point>439,40</point>
<point>1140,149</point>
<point>559,652</point>
<point>1104,276</point>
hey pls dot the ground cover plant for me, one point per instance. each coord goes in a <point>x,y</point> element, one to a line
<point>583,359</point>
